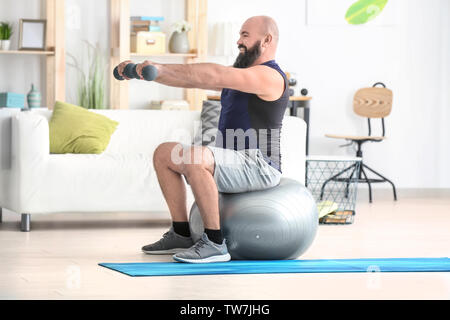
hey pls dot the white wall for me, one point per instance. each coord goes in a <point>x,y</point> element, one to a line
<point>332,62</point>
<point>411,57</point>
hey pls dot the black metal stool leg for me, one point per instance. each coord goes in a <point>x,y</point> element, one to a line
<point>368,182</point>
<point>384,178</point>
<point>333,177</point>
<point>348,181</point>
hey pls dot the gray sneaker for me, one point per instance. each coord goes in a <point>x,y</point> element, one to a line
<point>204,251</point>
<point>170,243</point>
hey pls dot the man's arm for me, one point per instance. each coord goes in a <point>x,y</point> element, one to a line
<point>260,80</point>
<point>198,75</point>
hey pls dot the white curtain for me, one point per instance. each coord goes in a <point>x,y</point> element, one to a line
<point>222,40</point>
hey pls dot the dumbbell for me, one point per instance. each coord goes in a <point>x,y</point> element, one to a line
<point>304,92</point>
<point>148,72</point>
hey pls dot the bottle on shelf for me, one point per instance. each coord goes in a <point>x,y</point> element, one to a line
<point>34,98</point>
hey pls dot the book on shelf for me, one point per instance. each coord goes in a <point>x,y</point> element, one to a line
<point>141,23</point>
<point>12,100</point>
<point>145,28</point>
<point>146,18</point>
<point>146,25</point>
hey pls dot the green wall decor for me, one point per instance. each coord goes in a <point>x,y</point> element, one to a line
<point>364,10</point>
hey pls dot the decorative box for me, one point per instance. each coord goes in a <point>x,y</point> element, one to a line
<point>12,100</point>
<point>150,42</point>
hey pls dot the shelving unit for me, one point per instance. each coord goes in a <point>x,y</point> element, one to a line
<point>196,15</point>
<point>56,62</point>
<point>54,52</point>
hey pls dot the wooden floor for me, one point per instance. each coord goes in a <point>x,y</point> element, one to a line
<point>58,258</point>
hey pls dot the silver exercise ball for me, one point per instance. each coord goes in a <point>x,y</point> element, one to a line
<point>272,224</point>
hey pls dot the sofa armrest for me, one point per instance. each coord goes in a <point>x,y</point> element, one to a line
<point>6,115</point>
<point>30,150</point>
<point>30,141</point>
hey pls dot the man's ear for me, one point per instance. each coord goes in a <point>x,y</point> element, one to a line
<point>267,40</point>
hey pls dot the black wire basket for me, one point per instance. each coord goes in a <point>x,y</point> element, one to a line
<point>333,182</point>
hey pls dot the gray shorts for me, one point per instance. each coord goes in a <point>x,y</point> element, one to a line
<point>242,171</point>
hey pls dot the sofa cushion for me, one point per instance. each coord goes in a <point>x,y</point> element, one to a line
<point>74,129</point>
<point>206,135</point>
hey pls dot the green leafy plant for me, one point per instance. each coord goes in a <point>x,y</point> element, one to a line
<point>364,10</point>
<point>91,84</point>
<point>6,31</point>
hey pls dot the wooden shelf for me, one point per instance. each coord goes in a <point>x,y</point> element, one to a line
<point>46,53</point>
<point>182,55</point>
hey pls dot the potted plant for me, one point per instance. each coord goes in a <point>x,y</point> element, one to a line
<point>179,42</point>
<point>91,85</point>
<point>5,35</point>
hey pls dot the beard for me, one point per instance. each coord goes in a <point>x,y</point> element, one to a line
<point>247,58</point>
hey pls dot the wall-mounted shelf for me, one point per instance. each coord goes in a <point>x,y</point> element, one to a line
<point>56,61</point>
<point>45,53</point>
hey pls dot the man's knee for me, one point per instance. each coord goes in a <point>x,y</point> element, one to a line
<point>183,160</point>
<point>158,155</point>
<point>162,156</point>
<point>198,158</point>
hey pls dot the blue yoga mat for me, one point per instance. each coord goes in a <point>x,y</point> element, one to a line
<point>282,266</point>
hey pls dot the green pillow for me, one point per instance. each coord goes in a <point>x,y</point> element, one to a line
<point>74,129</point>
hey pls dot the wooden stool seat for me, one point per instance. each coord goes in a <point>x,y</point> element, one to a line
<point>336,136</point>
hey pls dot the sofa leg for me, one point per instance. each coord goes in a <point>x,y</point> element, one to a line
<point>25,222</point>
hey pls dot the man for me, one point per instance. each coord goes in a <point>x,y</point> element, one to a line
<point>254,99</point>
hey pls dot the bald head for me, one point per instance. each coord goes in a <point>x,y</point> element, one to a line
<point>265,26</point>
<point>258,41</point>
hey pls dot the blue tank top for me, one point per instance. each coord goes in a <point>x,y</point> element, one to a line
<point>248,122</point>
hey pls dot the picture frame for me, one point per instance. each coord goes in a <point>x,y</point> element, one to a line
<point>32,34</point>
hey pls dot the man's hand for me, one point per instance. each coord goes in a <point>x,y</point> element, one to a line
<point>121,67</point>
<point>141,66</point>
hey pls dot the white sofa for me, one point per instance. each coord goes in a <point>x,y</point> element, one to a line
<point>121,179</point>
